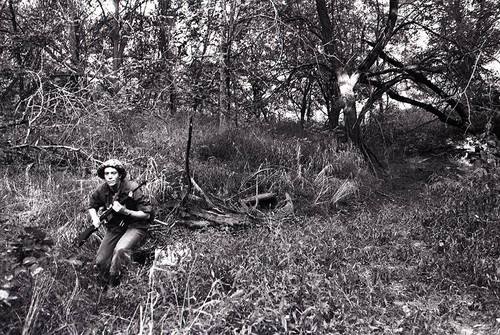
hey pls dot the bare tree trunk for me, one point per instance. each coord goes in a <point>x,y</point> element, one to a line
<point>305,102</point>
<point>347,82</point>
<point>187,170</point>
<point>224,77</point>
<point>334,109</point>
<point>230,12</point>
<point>75,37</point>
<point>331,92</point>
<point>115,36</point>
<point>223,83</point>
<point>17,53</point>
<point>346,86</point>
<point>257,101</point>
<point>164,37</point>
<point>119,37</point>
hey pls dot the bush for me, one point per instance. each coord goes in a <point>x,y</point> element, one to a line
<point>315,172</point>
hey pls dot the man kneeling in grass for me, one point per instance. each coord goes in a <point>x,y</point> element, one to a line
<point>125,227</point>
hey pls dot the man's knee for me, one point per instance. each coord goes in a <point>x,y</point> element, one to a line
<point>102,262</point>
<point>122,254</point>
<point>120,251</point>
<point>131,240</point>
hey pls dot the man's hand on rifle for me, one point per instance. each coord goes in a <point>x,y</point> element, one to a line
<point>119,208</point>
<point>96,222</point>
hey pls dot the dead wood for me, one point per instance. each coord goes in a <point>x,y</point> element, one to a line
<point>198,189</point>
<point>188,173</point>
<point>196,218</point>
<point>162,223</point>
<point>261,200</point>
<point>195,224</point>
<point>229,219</point>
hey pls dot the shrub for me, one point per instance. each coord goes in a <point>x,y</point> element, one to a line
<point>315,172</point>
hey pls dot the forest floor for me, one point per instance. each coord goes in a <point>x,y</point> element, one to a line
<point>391,280</point>
<point>406,179</point>
<point>455,308</point>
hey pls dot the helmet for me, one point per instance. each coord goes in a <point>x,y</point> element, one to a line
<point>114,163</point>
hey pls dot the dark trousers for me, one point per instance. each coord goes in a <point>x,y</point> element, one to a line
<point>115,250</point>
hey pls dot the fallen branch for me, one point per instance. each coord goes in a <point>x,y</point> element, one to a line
<point>55,147</point>
<point>198,189</point>
<point>195,224</point>
<point>162,223</point>
<point>231,219</point>
<point>259,199</point>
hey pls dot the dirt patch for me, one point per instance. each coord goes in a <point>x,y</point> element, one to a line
<point>407,177</point>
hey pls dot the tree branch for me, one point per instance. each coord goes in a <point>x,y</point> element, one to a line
<point>54,147</point>
<point>441,116</point>
<point>420,78</point>
<point>381,89</point>
<point>382,40</point>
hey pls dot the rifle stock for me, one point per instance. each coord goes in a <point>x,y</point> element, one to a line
<point>84,235</point>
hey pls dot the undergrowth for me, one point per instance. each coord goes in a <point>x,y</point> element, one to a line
<point>463,227</point>
<point>317,173</point>
<point>347,262</point>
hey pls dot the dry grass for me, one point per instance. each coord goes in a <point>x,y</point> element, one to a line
<point>308,275</point>
<point>378,266</point>
<point>41,289</point>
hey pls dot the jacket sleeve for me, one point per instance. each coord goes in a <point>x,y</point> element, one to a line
<point>96,199</point>
<point>142,202</point>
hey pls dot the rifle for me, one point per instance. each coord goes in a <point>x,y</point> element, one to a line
<point>83,236</point>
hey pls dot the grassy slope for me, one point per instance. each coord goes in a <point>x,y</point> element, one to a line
<point>416,254</point>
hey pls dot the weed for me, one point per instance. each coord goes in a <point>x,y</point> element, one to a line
<point>463,229</point>
<point>388,267</point>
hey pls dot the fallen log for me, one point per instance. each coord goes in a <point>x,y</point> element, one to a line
<point>229,219</point>
<point>195,224</point>
<point>267,200</point>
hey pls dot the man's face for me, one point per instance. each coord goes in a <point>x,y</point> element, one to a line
<point>111,176</point>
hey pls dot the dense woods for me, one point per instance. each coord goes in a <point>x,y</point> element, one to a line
<point>320,167</point>
<point>339,63</point>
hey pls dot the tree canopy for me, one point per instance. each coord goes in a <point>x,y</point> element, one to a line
<point>236,60</point>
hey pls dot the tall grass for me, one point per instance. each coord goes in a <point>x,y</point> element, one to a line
<point>187,298</point>
<point>41,290</point>
<point>45,196</point>
<point>463,228</point>
<point>389,268</point>
<point>316,173</point>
